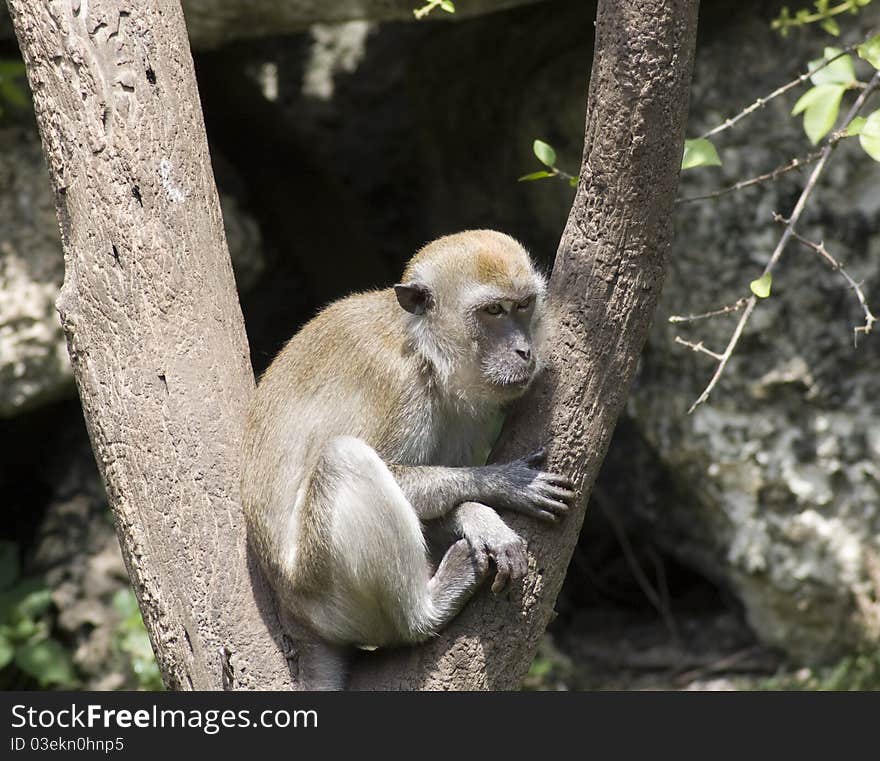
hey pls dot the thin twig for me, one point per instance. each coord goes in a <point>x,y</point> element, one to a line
<point>662,582</point>
<point>796,163</point>
<point>729,309</point>
<point>699,348</point>
<point>823,252</point>
<point>761,102</point>
<point>783,241</point>
<point>656,600</point>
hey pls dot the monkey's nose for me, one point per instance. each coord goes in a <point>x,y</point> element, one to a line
<point>524,354</point>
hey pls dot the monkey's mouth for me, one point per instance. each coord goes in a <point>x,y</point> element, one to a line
<point>513,381</point>
<point>509,378</point>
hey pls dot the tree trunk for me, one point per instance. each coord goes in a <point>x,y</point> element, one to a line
<point>160,356</point>
<point>605,285</point>
<point>153,325</point>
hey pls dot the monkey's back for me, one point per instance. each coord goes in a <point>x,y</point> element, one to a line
<point>365,335</point>
<point>304,401</point>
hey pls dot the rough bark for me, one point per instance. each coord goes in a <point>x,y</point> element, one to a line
<point>154,330</point>
<point>605,285</point>
<point>212,22</point>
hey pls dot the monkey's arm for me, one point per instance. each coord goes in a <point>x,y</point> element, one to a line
<point>434,491</point>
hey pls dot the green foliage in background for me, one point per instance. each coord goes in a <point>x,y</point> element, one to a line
<point>824,15</point>
<point>132,640</point>
<point>860,672</point>
<point>27,649</point>
<point>12,90</point>
<point>550,670</point>
<point>30,656</point>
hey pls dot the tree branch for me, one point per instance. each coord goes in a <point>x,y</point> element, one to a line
<point>795,163</point>
<point>799,80</point>
<point>783,241</point>
<point>822,251</point>
<point>729,309</point>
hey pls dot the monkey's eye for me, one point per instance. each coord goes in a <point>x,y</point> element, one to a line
<point>525,303</point>
<point>493,309</point>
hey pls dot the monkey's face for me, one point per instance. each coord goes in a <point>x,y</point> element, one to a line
<point>475,301</point>
<point>502,329</point>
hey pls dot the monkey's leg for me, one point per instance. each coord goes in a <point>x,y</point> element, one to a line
<point>378,588</point>
<point>452,585</point>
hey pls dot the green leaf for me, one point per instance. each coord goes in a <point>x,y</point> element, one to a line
<point>699,152</point>
<point>832,27</point>
<point>448,6</point>
<point>807,99</point>
<point>34,603</point>
<point>821,105</point>
<point>838,72</point>
<point>9,566</point>
<point>7,651</point>
<point>27,599</point>
<point>856,126</point>
<point>761,286</point>
<point>545,153</point>
<point>24,629</point>
<point>870,51</point>
<point>535,176</point>
<point>47,662</point>
<point>869,137</point>
<point>573,181</point>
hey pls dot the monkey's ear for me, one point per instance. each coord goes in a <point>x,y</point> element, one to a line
<point>415,298</point>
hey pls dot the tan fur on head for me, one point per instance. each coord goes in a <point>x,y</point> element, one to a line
<point>462,271</point>
<point>484,257</point>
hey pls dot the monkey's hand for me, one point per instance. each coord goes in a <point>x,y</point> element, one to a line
<point>490,538</point>
<point>527,489</point>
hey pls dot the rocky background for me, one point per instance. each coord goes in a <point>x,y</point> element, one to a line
<point>741,539</point>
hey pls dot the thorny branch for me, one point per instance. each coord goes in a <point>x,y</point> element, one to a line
<point>820,249</point>
<point>800,79</point>
<point>796,163</point>
<point>724,357</point>
<point>734,307</point>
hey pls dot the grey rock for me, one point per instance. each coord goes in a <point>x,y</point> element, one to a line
<point>782,463</point>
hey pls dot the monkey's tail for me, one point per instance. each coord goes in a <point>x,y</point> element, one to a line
<point>322,666</point>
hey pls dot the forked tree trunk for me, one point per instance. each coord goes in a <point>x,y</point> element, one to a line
<point>160,356</point>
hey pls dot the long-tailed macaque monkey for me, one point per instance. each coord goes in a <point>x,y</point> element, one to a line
<point>366,429</point>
